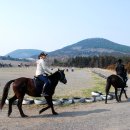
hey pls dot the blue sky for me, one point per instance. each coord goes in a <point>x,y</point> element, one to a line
<point>52,24</point>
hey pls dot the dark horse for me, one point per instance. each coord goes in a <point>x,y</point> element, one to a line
<point>23,85</point>
<point>117,82</point>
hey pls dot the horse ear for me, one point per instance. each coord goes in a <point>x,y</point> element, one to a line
<point>62,70</point>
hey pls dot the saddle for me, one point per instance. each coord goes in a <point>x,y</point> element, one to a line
<point>124,80</point>
<point>121,78</point>
<point>39,87</point>
<point>38,84</point>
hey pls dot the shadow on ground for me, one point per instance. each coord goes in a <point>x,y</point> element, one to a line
<point>70,114</point>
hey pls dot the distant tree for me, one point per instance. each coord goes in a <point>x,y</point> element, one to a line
<point>108,62</point>
<point>127,66</point>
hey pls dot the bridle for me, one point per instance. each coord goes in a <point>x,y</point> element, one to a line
<point>62,77</point>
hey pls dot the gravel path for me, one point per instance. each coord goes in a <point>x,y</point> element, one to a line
<point>93,116</point>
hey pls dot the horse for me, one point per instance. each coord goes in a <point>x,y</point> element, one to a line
<point>117,82</point>
<point>27,65</point>
<point>23,85</point>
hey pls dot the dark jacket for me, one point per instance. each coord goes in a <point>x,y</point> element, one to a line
<point>120,69</point>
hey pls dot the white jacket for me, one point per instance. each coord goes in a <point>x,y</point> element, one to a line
<point>42,68</point>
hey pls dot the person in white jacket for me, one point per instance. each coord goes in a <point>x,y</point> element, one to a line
<point>42,71</point>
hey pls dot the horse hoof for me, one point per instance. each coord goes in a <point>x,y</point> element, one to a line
<point>40,112</point>
<point>55,113</point>
<point>24,116</point>
<point>9,114</point>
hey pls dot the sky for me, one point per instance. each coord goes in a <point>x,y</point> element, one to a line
<point>49,25</point>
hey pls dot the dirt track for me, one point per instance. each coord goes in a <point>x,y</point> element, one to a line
<point>94,116</point>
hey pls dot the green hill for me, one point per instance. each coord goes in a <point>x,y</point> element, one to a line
<point>93,46</point>
<point>24,53</point>
<point>87,47</point>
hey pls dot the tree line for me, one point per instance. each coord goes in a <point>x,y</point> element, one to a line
<point>108,62</point>
<point>13,59</point>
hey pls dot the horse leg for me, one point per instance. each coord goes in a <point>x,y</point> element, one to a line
<point>11,100</point>
<point>121,94</point>
<point>20,100</point>
<point>42,110</point>
<point>125,94</point>
<point>106,97</point>
<point>116,95</point>
<point>50,103</point>
<point>107,91</point>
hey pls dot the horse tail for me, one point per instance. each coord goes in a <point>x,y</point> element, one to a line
<point>108,84</point>
<point>5,93</point>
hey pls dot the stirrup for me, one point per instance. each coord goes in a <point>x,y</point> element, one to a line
<point>44,94</point>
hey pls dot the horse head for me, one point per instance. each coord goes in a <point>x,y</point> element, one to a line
<point>62,77</point>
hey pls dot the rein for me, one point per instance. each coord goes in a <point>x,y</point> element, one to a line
<point>120,77</point>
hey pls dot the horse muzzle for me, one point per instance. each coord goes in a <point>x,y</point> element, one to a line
<point>64,81</point>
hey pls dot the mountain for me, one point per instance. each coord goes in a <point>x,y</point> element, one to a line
<point>24,53</point>
<point>87,47</point>
<point>92,47</point>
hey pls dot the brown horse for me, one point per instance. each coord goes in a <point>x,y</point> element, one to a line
<point>23,85</point>
<point>117,82</point>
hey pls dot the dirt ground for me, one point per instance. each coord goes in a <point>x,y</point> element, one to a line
<point>87,116</point>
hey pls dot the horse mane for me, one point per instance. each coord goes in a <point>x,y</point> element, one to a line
<point>53,75</point>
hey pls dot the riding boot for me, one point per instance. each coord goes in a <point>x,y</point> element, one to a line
<point>125,81</point>
<point>43,91</point>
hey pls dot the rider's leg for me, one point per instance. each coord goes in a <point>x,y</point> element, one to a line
<point>125,80</point>
<point>46,85</point>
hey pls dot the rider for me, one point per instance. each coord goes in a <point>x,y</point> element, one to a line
<point>121,71</point>
<point>42,71</point>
